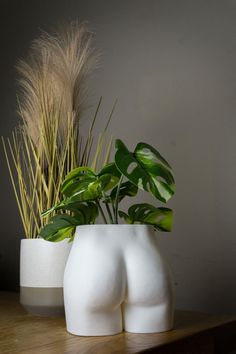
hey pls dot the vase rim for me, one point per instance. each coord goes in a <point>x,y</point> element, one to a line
<point>39,239</point>
<point>116,225</point>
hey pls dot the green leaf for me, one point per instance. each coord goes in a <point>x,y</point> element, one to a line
<point>138,212</point>
<point>147,169</point>
<point>82,171</point>
<point>161,219</point>
<point>126,189</point>
<point>50,210</point>
<point>87,190</point>
<point>60,234</point>
<point>77,175</point>
<point>62,226</point>
<point>59,227</point>
<point>83,184</point>
<point>125,217</point>
<point>69,203</point>
<point>149,153</point>
<point>86,187</point>
<point>87,212</point>
<point>144,213</point>
<point>111,169</point>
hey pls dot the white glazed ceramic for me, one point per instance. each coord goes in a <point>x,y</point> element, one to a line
<point>42,265</point>
<point>115,279</point>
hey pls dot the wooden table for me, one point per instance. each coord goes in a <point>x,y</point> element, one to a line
<point>198,333</point>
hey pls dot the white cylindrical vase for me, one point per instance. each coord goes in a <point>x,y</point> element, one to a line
<point>42,265</point>
<point>116,278</point>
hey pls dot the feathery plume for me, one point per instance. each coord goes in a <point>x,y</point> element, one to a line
<point>53,79</point>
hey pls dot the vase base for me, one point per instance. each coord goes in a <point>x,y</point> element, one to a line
<point>93,334</point>
<point>45,311</point>
<point>42,301</point>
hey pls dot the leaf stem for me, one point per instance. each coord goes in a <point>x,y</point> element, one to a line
<point>101,211</point>
<point>117,199</point>
<point>107,208</point>
<point>113,207</point>
<point>109,213</point>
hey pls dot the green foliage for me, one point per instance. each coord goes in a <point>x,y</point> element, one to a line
<point>146,168</point>
<point>160,218</point>
<point>62,226</point>
<point>84,189</point>
<point>126,189</point>
<point>59,227</point>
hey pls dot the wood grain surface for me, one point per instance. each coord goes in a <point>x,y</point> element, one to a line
<point>198,333</point>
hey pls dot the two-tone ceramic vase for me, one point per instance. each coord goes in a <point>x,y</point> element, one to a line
<point>42,265</point>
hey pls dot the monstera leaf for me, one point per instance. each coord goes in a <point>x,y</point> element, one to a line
<point>63,225</point>
<point>59,227</point>
<point>160,218</point>
<point>85,212</point>
<point>146,168</point>
<point>126,189</point>
<point>80,180</point>
<point>111,170</point>
<point>76,173</point>
<point>75,206</point>
<point>84,184</point>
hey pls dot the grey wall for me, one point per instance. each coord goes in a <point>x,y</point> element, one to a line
<point>171,64</point>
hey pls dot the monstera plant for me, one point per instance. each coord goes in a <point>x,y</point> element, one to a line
<point>88,194</point>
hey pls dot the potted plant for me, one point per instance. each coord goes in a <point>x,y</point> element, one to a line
<point>116,276</point>
<point>45,146</point>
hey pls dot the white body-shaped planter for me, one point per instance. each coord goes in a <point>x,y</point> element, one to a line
<point>115,279</point>
<point>42,265</point>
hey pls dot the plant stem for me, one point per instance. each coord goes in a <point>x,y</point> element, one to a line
<point>116,200</point>
<point>109,213</point>
<point>101,211</point>
<point>113,208</point>
<point>107,208</point>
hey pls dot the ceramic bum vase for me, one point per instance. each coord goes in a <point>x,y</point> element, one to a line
<point>42,265</point>
<point>117,279</point>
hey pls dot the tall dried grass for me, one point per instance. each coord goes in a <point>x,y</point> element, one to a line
<point>47,143</point>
